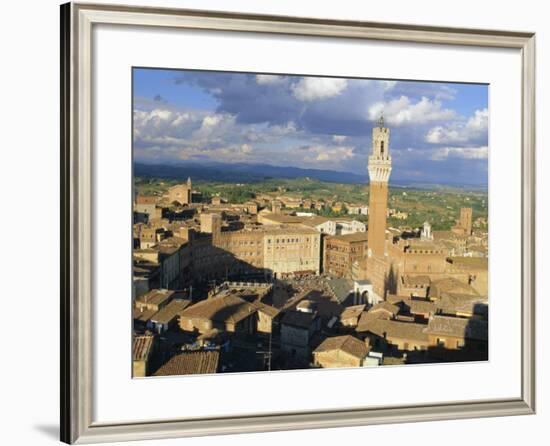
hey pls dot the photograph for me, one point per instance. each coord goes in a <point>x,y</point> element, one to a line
<point>284,222</point>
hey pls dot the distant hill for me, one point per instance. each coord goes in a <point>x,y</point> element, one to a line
<point>251,173</point>
<point>242,173</point>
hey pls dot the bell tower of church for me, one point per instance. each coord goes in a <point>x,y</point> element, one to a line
<point>379,175</point>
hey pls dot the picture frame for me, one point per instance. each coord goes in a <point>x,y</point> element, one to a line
<point>77,233</point>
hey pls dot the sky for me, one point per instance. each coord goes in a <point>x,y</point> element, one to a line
<point>439,131</point>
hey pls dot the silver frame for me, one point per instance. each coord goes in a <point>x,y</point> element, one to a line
<point>77,21</point>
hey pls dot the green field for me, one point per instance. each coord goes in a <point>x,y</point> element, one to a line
<point>440,206</point>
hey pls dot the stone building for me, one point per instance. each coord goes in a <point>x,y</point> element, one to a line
<point>341,251</point>
<point>211,223</point>
<point>180,193</point>
<point>297,329</point>
<point>150,236</point>
<point>291,251</point>
<point>340,351</point>
<point>173,259</point>
<point>154,300</point>
<point>464,223</point>
<point>415,257</point>
<point>267,318</point>
<point>225,312</point>
<point>146,204</point>
<point>454,333</point>
<point>388,334</point>
<point>167,317</point>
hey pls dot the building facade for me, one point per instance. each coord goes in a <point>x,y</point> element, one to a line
<point>340,252</point>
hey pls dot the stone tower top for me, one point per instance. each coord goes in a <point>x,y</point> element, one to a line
<point>381,121</point>
<point>380,159</point>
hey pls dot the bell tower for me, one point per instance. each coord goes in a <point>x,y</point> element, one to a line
<point>379,175</point>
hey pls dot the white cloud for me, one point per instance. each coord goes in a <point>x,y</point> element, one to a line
<point>269,79</point>
<point>314,88</point>
<point>471,153</point>
<point>475,128</point>
<point>480,120</point>
<point>403,111</point>
<point>246,148</point>
<point>388,85</point>
<point>339,138</point>
<point>327,154</point>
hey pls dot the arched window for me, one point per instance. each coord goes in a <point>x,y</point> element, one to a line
<point>382,147</point>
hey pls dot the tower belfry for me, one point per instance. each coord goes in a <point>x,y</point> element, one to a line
<point>379,174</point>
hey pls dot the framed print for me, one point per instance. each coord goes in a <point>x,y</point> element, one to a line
<point>309,211</point>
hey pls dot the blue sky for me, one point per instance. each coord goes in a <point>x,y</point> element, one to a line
<point>439,131</point>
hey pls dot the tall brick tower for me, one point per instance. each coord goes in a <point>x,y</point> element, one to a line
<point>379,175</point>
<point>466,220</point>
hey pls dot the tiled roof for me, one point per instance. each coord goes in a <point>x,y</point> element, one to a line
<point>353,311</point>
<point>398,329</point>
<point>142,315</point>
<point>146,199</point>
<point>459,327</point>
<point>450,285</point>
<point>190,363</point>
<point>141,347</point>
<point>470,262</point>
<point>170,311</point>
<point>225,308</point>
<point>266,309</point>
<point>416,280</point>
<point>341,288</point>
<point>367,318</point>
<point>348,344</point>
<point>298,319</point>
<point>386,307</point>
<point>466,303</point>
<point>155,297</point>
<point>354,237</point>
<point>417,306</point>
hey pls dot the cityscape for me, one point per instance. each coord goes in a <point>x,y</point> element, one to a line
<point>248,266</point>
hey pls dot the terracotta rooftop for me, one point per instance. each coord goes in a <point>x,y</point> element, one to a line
<point>466,303</point>
<point>367,318</point>
<point>459,327</point>
<point>155,297</point>
<point>450,285</point>
<point>298,319</point>
<point>398,329</point>
<point>348,344</point>
<point>385,307</point>
<point>353,311</point>
<point>225,308</point>
<point>170,311</point>
<point>142,315</point>
<point>190,363</point>
<point>355,237</point>
<point>146,199</point>
<point>470,262</point>
<point>417,306</point>
<point>416,280</point>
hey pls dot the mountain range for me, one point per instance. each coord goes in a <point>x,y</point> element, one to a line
<point>251,173</point>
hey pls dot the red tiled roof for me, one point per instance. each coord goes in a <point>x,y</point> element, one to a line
<point>190,363</point>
